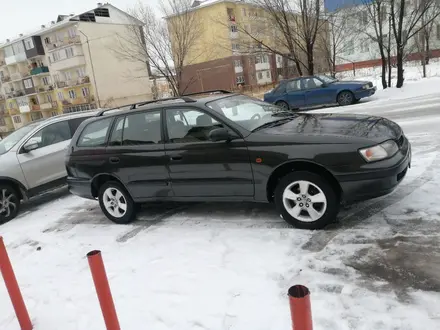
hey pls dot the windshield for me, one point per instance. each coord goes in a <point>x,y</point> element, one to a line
<point>327,79</point>
<point>12,139</point>
<point>248,112</point>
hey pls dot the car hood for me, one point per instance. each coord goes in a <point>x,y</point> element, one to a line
<point>343,125</point>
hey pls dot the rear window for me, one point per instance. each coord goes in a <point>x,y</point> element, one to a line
<point>74,123</point>
<point>94,134</point>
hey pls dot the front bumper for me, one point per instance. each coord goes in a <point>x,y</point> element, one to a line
<point>365,92</point>
<point>80,187</point>
<point>374,184</point>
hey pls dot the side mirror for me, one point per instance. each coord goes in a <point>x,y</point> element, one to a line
<point>30,145</point>
<point>324,85</point>
<point>219,134</point>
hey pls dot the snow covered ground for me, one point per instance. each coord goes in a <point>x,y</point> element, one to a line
<point>215,266</point>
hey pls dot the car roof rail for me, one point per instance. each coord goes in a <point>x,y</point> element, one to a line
<point>140,104</point>
<point>214,91</point>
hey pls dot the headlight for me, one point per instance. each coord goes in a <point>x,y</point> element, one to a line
<point>365,86</point>
<point>380,151</point>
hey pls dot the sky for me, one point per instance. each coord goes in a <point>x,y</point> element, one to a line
<point>25,16</point>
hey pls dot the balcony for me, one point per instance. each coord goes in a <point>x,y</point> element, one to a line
<point>79,101</point>
<point>62,43</point>
<point>44,89</point>
<point>6,79</point>
<point>15,58</point>
<point>18,93</point>
<point>18,76</point>
<point>49,106</point>
<point>73,83</point>
<point>233,35</point>
<point>35,107</point>
<point>68,63</point>
<point>39,70</point>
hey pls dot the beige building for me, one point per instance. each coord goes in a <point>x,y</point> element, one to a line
<point>70,65</point>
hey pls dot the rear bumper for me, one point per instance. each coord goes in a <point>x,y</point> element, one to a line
<point>80,187</point>
<point>365,92</point>
<point>377,183</point>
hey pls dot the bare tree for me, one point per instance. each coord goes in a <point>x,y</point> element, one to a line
<point>338,34</point>
<point>407,21</point>
<point>376,14</point>
<point>164,46</point>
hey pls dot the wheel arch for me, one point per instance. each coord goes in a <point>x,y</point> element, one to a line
<point>300,165</point>
<point>21,189</point>
<point>99,179</point>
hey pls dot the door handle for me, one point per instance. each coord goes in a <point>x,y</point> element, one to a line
<point>176,158</point>
<point>114,160</point>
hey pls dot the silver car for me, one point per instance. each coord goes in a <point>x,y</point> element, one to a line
<point>32,160</point>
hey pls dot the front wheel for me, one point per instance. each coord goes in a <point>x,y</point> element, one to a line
<point>9,203</point>
<point>116,203</point>
<point>345,98</point>
<point>283,105</point>
<point>306,200</point>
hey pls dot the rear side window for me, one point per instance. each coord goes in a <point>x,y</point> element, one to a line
<point>142,128</point>
<point>94,134</point>
<point>74,123</point>
<point>281,89</point>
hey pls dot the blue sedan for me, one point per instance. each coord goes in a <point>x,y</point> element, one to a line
<point>313,91</point>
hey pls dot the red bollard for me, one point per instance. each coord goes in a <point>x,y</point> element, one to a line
<point>300,308</point>
<point>103,290</point>
<point>13,289</point>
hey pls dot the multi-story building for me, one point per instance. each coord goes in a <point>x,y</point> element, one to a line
<point>357,49</point>
<point>67,66</point>
<point>225,56</point>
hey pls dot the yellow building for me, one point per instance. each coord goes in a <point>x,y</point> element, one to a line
<point>69,66</point>
<point>224,54</point>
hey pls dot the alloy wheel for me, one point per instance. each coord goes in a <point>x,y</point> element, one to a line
<point>115,202</point>
<point>345,98</point>
<point>8,202</point>
<point>304,201</point>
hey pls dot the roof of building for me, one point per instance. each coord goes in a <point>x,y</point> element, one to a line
<point>62,21</point>
<point>205,3</point>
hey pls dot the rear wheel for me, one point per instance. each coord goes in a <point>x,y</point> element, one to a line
<point>306,200</point>
<point>283,105</point>
<point>345,98</point>
<point>9,203</point>
<point>116,203</point>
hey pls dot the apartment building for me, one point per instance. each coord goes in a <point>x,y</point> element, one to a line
<point>224,56</point>
<point>360,51</point>
<point>67,66</point>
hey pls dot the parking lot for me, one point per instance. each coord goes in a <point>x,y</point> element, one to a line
<point>228,266</point>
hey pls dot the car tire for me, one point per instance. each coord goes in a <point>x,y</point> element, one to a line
<point>283,105</point>
<point>345,98</point>
<point>9,203</point>
<point>294,201</point>
<point>116,203</point>
<point>355,101</point>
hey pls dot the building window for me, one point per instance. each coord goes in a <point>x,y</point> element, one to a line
<point>53,114</point>
<point>67,75</point>
<point>237,63</point>
<point>72,94</point>
<point>9,51</point>
<point>28,43</point>
<point>235,47</point>
<point>268,74</point>
<point>239,80</point>
<point>234,28</point>
<point>55,57</point>
<point>36,116</point>
<point>69,52</point>
<point>11,105</point>
<point>28,83</point>
<point>47,40</point>
<point>85,91</point>
<point>45,81</point>
<point>2,122</point>
<point>72,33</point>
<point>17,119</point>
<point>60,96</point>
<point>60,36</point>
<point>49,98</point>
<point>365,47</point>
<point>243,11</point>
<point>260,75</point>
<point>81,72</point>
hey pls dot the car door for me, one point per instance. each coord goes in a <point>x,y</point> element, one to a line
<point>316,93</point>
<point>45,164</point>
<point>200,167</point>
<point>136,154</point>
<point>295,96</point>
